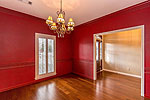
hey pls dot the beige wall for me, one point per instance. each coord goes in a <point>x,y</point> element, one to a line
<point>122,51</point>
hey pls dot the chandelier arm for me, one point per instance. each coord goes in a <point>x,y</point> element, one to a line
<point>50,27</point>
<point>58,12</point>
<point>68,32</point>
<point>54,31</point>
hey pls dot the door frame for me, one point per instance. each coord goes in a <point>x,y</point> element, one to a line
<point>142,52</point>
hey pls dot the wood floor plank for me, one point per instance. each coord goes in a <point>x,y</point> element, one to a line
<point>108,86</point>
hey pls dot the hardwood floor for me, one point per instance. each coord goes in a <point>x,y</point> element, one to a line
<point>109,86</point>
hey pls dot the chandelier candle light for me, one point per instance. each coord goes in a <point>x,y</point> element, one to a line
<point>60,27</point>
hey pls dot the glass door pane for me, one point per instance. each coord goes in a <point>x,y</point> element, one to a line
<point>101,50</point>
<point>50,55</point>
<point>97,50</point>
<point>42,56</point>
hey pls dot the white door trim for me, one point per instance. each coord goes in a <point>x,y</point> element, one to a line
<point>142,52</point>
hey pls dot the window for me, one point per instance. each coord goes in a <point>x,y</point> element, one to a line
<point>45,64</point>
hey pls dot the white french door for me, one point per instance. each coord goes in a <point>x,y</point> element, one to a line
<point>45,55</point>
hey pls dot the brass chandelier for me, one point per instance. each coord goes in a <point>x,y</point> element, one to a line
<point>60,27</point>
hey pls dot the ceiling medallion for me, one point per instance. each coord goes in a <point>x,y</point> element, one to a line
<point>60,27</point>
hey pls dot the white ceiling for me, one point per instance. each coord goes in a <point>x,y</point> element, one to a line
<point>80,10</point>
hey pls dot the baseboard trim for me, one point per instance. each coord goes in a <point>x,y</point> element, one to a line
<point>30,83</point>
<point>83,75</point>
<point>122,73</point>
<point>147,96</point>
<point>17,86</point>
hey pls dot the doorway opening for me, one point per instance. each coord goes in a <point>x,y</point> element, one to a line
<point>122,52</point>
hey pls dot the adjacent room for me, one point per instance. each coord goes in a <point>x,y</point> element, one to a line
<point>74,50</point>
<point>121,52</point>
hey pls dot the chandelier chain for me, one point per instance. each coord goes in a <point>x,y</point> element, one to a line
<point>60,5</point>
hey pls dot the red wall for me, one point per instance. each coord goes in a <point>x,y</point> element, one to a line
<point>83,38</point>
<point>17,32</point>
<point>17,58</point>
